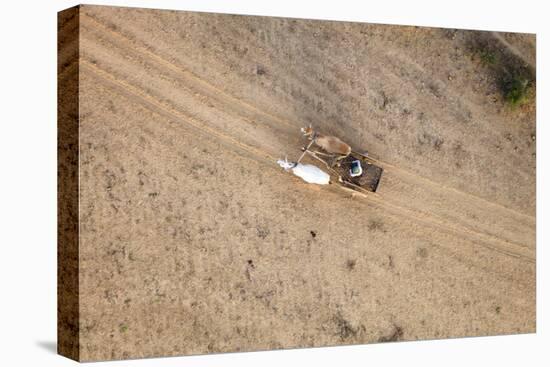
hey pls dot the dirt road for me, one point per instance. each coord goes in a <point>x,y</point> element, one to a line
<point>193,240</point>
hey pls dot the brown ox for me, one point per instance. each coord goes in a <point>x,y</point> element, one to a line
<point>330,144</point>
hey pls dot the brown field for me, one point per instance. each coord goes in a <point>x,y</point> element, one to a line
<point>192,239</point>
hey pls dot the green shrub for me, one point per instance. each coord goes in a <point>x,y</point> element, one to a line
<point>516,90</point>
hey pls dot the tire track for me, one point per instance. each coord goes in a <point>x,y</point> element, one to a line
<point>270,158</point>
<point>514,249</point>
<point>427,181</point>
<point>333,191</point>
<point>230,98</point>
<point>194,171</point>
<point>227,98</point>
<point>186,73</point>
<point>161,81</point>
<point>163,106</point>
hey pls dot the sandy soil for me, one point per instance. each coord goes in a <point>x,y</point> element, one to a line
<point>193,240</point>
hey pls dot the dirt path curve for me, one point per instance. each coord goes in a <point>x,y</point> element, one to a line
<point>446,243</point>
<point>397,206</point>
<point>448,207</point>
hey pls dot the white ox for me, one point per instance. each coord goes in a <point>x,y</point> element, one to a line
<point>306,172</point>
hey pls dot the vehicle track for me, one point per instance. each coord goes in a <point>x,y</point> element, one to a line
<point>503,246</point>
<point>206,90</point>
<point>183,116</point>
<point>211,91</point>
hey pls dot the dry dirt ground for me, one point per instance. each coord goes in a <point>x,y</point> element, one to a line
<point>193,240</point>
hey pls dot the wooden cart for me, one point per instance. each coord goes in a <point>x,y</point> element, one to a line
<point>366,182</point>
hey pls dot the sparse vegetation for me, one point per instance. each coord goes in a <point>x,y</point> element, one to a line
<point>226,259</point>
<point>514,77</point>
<point>438,142</point>
<point>375,225</point>
<point>263,232</point>
<point>516,90</point>
<point>350,264</point>
<point>344,328</point>
<point>487,57</point>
